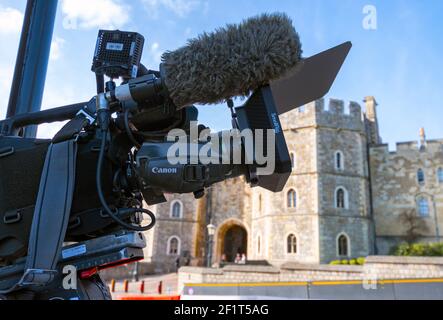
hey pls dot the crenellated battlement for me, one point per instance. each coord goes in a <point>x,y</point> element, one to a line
<point>334,115</point>
<point>337,107</point>
<point>413,148</point>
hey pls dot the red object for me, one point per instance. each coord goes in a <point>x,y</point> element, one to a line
<point>85,274</point>
<point>142,287</point>
<point>118,263</point>
<point>160,287</point>
<point>126,286</point>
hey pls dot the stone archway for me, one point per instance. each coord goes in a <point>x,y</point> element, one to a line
<point>232,239</point>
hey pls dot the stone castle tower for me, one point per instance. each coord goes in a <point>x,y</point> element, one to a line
<point>335,205</point>
<point>329,189</point>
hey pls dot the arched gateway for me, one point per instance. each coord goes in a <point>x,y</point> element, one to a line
<point>232,239</point>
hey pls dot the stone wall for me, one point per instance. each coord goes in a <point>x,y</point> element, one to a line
<point>357,229</point>
<point>396,191</point>
<point>184,228</point>
<point>386,267</point>
<point>289,272</point>
<point>375,268</point>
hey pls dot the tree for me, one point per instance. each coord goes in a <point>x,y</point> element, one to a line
<point>415,226</point>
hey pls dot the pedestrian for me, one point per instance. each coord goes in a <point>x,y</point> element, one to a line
<point>177,264</point>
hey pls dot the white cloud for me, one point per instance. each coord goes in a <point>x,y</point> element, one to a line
<point>180,8</point>
<point>87,14</point>
<point>49,130</point>
<point>55,96</point>
<point>56,48</point>
<point>188,31</point>
<point>155,52</point>
<point>11,20</point>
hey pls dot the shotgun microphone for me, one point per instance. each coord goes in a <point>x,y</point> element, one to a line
<point>232,61</point>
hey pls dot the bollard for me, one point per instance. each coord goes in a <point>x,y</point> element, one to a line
<point>113,285</point>
<point>142,287</point>
<point>160,287</point>
<point>126,286</point>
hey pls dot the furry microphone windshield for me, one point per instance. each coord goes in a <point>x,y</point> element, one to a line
<point>232,61</point>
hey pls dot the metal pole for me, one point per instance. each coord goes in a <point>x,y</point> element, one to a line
<point>210,244</point>
<point>208,221</point>
<point>32,60</point>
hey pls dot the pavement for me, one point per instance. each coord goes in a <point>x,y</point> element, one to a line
<point>169,286</point>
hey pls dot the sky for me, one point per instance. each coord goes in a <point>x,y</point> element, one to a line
<point>397,60</point>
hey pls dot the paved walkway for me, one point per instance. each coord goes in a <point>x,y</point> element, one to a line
<point>169,286</point>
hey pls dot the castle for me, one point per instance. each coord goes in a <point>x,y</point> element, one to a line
<point>348,197</point>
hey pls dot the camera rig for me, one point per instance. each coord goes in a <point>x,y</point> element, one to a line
<point>113,155</point>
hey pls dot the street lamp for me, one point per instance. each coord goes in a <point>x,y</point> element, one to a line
<point>211,232</point>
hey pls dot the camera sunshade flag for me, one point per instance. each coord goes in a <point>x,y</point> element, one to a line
<point>311,80</point>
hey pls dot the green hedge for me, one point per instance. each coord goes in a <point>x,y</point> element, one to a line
<point>353,262</point>
<point>419,250</point>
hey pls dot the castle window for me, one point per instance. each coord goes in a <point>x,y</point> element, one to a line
<point>421,176</point>
<point>292,199</point>
<point>423,207</point>
<point>291,244</point>
<point>339,161</point>
<point>343,245</point>
<point>176,209</point>
<point>258,245</point>
<point>292,160</point>
<point>173,248</point>
<point>341,201</point>
<point>440,175</point>
<point>260,202</point>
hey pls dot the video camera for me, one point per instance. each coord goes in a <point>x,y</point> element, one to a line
<point>122,141</point>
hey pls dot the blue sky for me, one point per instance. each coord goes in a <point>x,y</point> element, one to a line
<point>399,63</point>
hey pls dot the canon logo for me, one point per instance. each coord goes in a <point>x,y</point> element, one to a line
<point>157,170</point>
